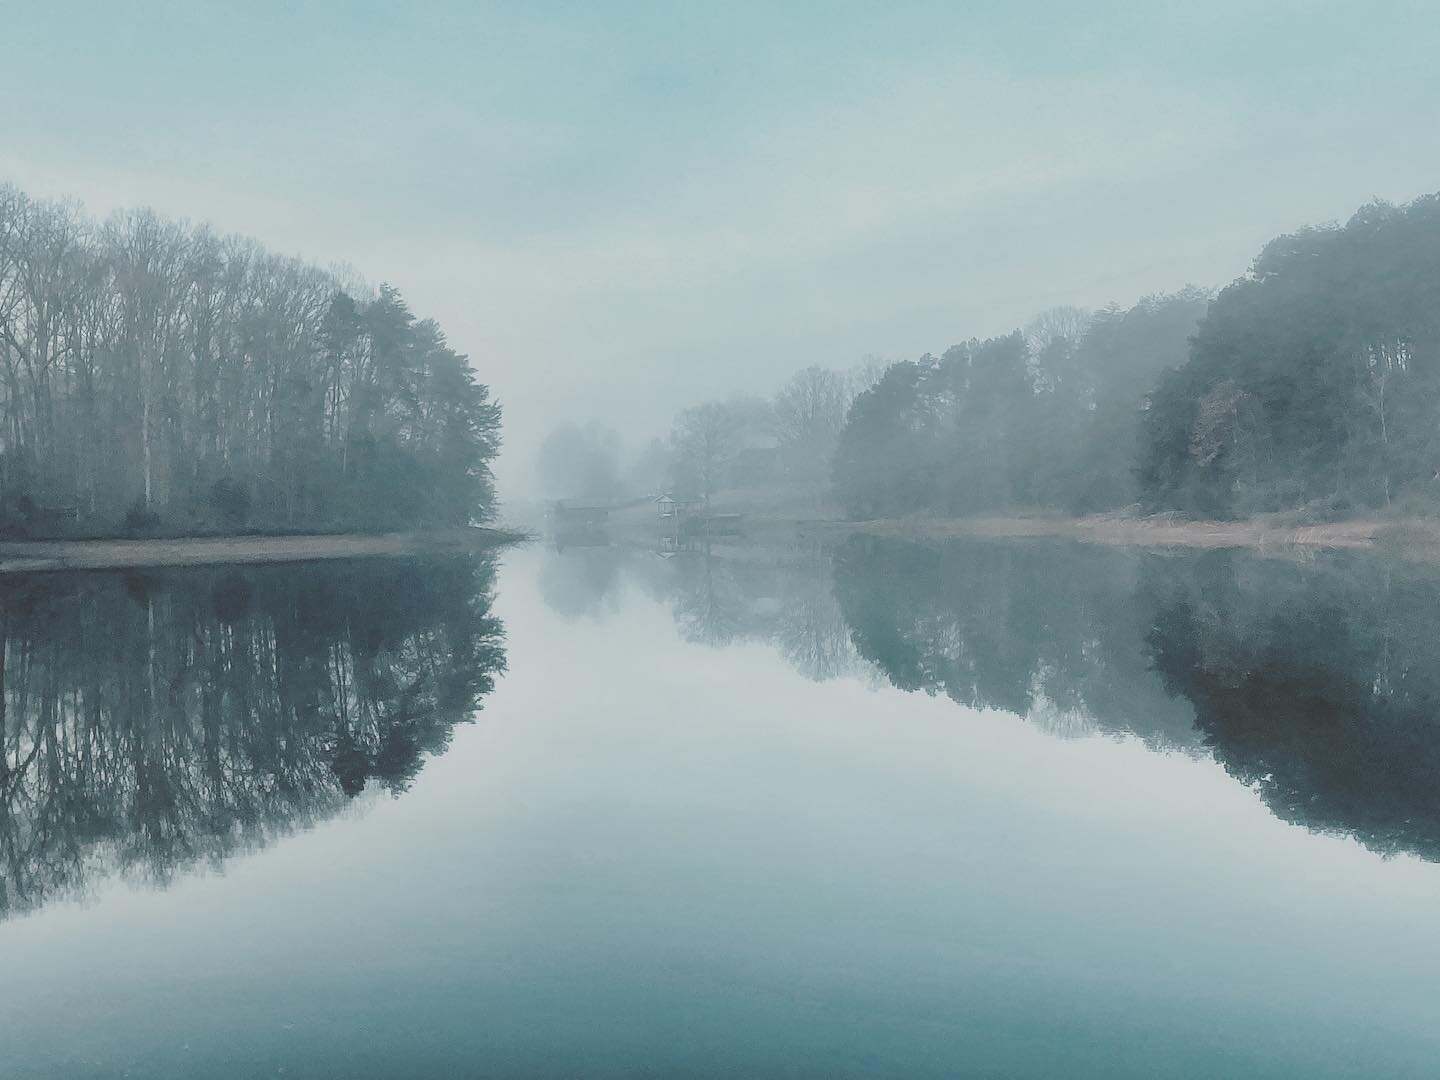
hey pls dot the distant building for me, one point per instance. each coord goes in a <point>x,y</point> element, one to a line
<point>564,512</point>
<point>675,509</point>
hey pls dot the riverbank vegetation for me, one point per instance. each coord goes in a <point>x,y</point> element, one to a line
<point>1310,384</point>
<point>1042,417</point>
<point>1308,388</point>
<point>158,378</point>
<point>778,447</point>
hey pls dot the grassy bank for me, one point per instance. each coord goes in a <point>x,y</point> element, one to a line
<point>770,521</point>
<point>1159,531</point>
<point>35,555</point>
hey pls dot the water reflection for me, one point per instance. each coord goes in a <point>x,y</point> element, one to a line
<point>153,722</point>
<point>719,595</point>
<point>1318,685</point>
<point>583,580</point>
<point>1315,682</point>
<point>1053,633</point>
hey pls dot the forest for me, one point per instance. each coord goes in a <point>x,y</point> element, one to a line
<point>157,377</point>
<point>1312,381</point>
<point>1310,385</point>
<point>1045,416</point>
<point>743,443</point>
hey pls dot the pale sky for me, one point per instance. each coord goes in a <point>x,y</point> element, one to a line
<point>618,209</point>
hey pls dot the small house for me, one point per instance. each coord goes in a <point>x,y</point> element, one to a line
<point>674,509</point>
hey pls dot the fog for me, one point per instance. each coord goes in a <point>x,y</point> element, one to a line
<point>620,213</point>
<point>624,538</point>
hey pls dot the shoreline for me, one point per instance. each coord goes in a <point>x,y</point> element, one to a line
<point>1413,537</point>
<point>1157,532</point>
<point>33,556</point>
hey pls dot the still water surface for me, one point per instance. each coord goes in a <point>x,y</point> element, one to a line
<point>883,810</point>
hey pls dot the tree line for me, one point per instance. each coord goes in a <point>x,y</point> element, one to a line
<point>1314,380</point>
<point>155,375</point>
<point>1045,416</point>
<point>741,443</point>
<point>1309,385</point>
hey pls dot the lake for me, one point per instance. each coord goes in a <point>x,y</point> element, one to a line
<point>873,809</point>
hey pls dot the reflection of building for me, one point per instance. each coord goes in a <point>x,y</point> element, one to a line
<point>677,521</point>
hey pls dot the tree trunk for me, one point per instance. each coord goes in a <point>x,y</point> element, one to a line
<point>145,443</point>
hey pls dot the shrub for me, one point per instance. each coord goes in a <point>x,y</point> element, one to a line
<point>140,519</point>
<point>231,500</point>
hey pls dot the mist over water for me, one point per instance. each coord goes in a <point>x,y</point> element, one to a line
<point>872,807</point>
<point>762,540</point>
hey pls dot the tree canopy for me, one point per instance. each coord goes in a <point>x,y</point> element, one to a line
<point>1313,379</point>
<point>1047,417</point>
<point>200,381</point>
<point>1311,383</point>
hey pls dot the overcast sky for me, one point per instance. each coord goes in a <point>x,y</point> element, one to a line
<point>617,209</point>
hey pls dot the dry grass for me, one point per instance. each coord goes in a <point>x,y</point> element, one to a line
<point>786,520</point>
<point>1164,531</point>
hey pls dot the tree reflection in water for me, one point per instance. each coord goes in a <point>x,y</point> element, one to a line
<point>719,595</point>
<point>1317,685</point>
<point>153,722</point>
<point>1316,682</point>
<point>1051,632</point>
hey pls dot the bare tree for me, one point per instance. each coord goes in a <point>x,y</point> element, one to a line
<point>705,442</point>
<point>809,413</point>
<point>144,363</point>
<point>1064,323</point>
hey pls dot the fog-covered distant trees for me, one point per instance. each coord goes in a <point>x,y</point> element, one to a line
<point>705,439</point>
<point>165,375</point>
<point>1124,352</point>
<point>746,447</point>
<point>1312,383</point>
<point>581,462</point>
<point>809,413</point>
<point>1314,380</point>
<point>884,428</point>
<point>752,445</point>
<point>1045,417</point>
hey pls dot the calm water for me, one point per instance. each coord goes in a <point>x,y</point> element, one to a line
<point>886,810</point>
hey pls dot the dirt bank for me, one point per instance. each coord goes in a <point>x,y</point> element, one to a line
<point>33,555</point>
<point>1157,531</point>
<point>777,522</point>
